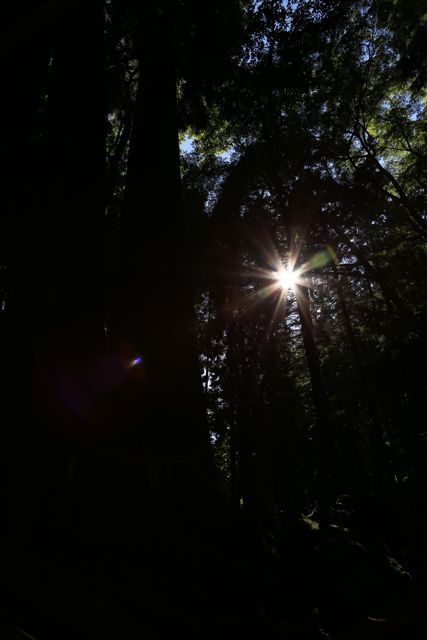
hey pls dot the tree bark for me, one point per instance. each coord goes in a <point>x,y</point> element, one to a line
<point>325,445</point>
<point>70,309</point>
<point>23,72</point>
<point>159,319</point>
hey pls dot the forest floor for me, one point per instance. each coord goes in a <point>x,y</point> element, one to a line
<point>112,568</point>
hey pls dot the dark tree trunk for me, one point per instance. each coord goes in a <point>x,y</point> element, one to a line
<point>236,452</point>
<point>24,66</point>
<point>70,310</point>
<point>325,446</point>
<point>159,318</point>
<point>55,216</point>
<point>114,161</point>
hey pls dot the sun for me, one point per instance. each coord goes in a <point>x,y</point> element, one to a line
<point>285,278</point>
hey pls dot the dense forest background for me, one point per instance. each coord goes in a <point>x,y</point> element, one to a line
<point>189,447</point>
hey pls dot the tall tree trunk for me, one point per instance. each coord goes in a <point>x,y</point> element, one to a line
<point>55,217</point>
<point>23,71</point>
<point>159,318</point>
<point>237,455</point>
<point>325,445</point>
<point>70,310</point>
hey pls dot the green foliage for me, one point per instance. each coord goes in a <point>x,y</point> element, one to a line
<point>330,149</point>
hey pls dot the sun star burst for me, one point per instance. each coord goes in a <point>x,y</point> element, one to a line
<point>285,278</point>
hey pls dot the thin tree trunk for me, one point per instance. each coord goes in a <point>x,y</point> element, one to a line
<point>325,446</point>
<point>116,158</point>
<point>235,417</point>
<point>417,222</point>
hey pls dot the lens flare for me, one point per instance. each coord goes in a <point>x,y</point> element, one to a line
<point>286,278</point>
